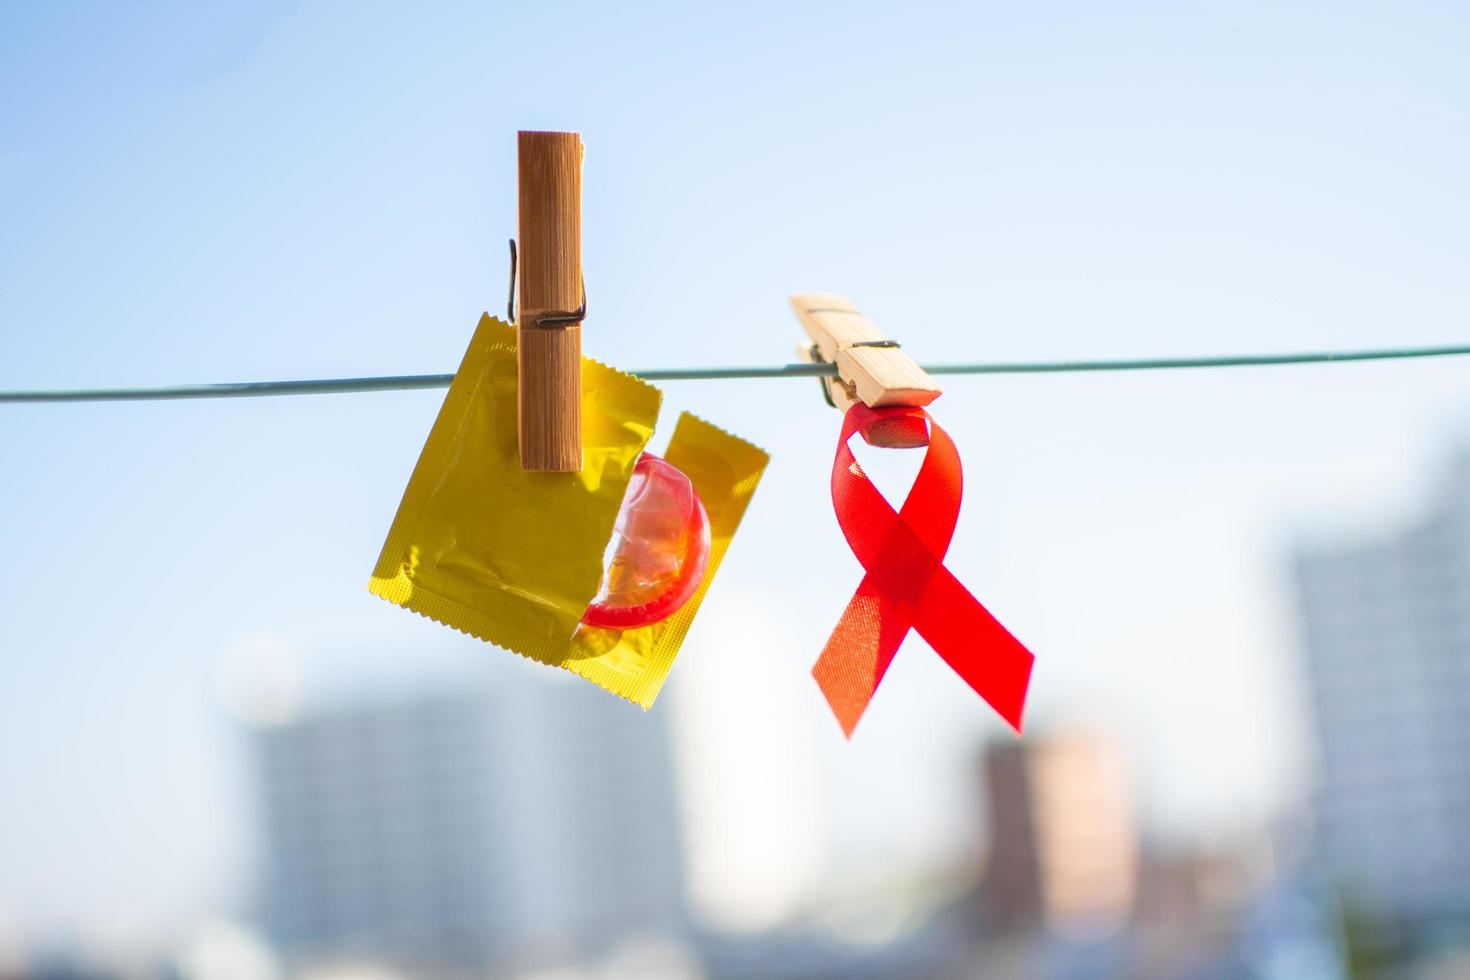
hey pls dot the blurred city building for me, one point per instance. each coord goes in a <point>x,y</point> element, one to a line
<point>468,830</point>
<point>1071,891</point>
<point>1386,635</point>
<point>1063,848</point>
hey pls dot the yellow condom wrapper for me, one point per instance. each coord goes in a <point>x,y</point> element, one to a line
<point>514,557</point>
<point>510,556</point>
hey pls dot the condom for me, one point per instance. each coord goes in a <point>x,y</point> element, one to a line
<point>659,550</point>
<point>600,572</point>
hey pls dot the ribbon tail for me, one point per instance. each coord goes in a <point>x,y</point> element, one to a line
<point>847,670</point>
<point>977,647</point>
<point>858,654</point>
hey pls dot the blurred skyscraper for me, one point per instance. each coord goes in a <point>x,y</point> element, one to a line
<point>531,822</point>
<point>1386,624</point>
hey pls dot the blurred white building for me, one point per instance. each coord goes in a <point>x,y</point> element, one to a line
<point>1386,630</point>
<point>530,822</point>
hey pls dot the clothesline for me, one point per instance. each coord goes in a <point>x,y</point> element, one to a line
<point>408,382</point>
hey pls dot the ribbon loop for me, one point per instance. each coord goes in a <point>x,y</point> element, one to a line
<point>906,586</point>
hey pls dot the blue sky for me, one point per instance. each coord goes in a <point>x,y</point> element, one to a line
<point>320,189</point>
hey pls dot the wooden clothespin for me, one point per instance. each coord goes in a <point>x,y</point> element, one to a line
<point>552,301</point>
<point>870,367</point>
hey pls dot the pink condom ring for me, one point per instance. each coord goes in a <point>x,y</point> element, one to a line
<point>659,551</point>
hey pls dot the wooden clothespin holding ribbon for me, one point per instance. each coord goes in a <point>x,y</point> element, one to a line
<point>553,301</point>
<point>905,585</point>
<point>871,369</point>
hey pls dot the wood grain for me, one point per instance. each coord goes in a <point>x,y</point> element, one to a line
<point>550,280</point>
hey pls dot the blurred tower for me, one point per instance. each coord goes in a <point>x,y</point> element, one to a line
<point>1386,631</point>
<point>471,828</point>
<point>1063,846</point>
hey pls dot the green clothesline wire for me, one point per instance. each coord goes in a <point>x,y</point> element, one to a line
<point>408,382</point>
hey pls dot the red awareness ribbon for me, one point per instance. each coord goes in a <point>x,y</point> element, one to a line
<point>906,585</point>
